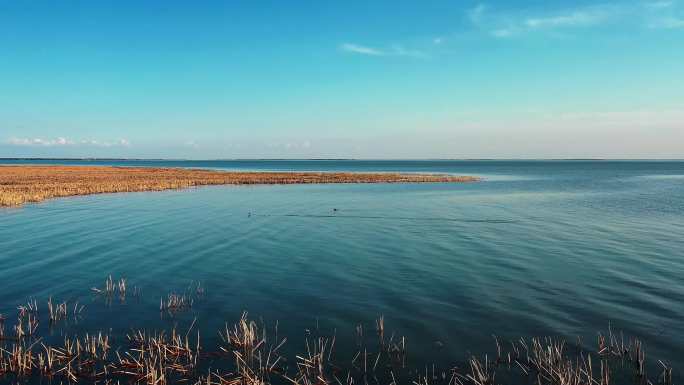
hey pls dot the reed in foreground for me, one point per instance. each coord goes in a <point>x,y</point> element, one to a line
<point>250,356</point>
<point>249,353</point>
<point>21,184</point>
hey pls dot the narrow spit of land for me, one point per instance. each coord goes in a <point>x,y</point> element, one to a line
<point>22,184</point>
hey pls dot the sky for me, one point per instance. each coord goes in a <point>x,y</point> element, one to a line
<point>342,79</point>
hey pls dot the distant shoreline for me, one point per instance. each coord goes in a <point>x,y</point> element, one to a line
<point>21,184</point>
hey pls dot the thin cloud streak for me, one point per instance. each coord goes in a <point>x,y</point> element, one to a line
<point>660,4</point>
<point>656,14</point>
<point>360,49</point>
<point>62,142</point>
<point>573,19</point>
<point>39,142</point>
<point>394,50</point>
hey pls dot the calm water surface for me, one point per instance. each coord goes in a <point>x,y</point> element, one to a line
<point>563,248</point>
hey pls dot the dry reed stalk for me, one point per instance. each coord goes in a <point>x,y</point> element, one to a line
<point>666,374</point>
<point>78,358</point>
<point>196,288</point>
<point>255,359</point>
<point>22,184</point>
<point>57,312</point>
<point>30,307</point>
<point>312,367</point>
<point>548,361</point>
<point>631,351</point>
<point>121,286</point>
<point>175,302</point>
<point>380,327</point>
<point>161,358</point>
<point>113,288</point>
<point>110,287</point>
<point>156,358</point>
<point>27,323</point>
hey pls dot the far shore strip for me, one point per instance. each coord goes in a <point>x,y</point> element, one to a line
<point>21,184</point>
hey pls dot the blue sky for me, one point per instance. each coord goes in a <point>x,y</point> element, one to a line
<point>362,79</point>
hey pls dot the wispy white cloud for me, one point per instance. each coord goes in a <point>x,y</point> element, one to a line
<point>496,24</point>
<point>502,32</point>
<point>361,50</point>
<point>660,4</point>
<point>39,142</point>
<point>400,50</point>
<point>476,13</point>
<point>62,141</point>
<point>120,142</point>
<point>663,14</point>
<point>637,13</point>
<point>304,145</point>
<point>572,19</point>
<point>506,25</point>
<point>394,50</point>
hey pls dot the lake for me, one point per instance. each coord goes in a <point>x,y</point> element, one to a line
<point>558,248</point>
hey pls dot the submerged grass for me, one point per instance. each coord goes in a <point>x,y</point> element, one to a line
<point>249,353</point>
<point>22,184</point>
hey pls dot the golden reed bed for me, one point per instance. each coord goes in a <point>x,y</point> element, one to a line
<point>21,184</point>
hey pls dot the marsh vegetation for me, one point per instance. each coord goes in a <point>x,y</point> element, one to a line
<point>250,352</point>
<point>22,184</point>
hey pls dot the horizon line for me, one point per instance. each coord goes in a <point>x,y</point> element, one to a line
<point>336,159</point>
